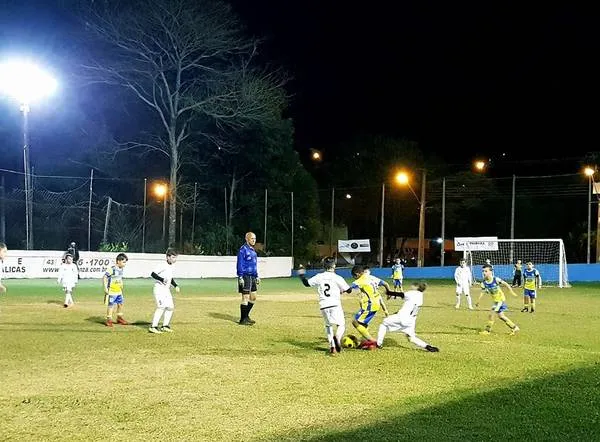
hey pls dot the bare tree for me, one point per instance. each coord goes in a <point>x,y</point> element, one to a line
<point>189,62</point>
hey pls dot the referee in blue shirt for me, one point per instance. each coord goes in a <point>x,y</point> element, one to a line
<point>247,273</point>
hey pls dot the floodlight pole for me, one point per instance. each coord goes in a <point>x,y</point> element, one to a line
<point>27,176</point>
<point>589,221</point>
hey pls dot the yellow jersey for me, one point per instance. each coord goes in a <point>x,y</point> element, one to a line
<point>493,288</point>
<point>370,298</point>
<point>529,279</point>
<point>114,280</point>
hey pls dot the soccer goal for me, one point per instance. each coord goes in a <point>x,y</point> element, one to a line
<point>548,257</point>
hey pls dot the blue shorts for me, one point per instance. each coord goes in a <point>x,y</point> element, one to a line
<point>397,283</point>
<point>116,298</point>
<point>530,293</point>
<point>499,307</point>
<point>364,316</point>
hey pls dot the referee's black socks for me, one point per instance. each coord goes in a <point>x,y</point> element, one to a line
<point>250,305</point>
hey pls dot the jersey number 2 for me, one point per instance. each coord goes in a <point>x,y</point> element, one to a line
<point>326,291</point>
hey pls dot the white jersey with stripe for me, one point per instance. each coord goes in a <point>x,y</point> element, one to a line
<point>329,288</point>
<point>165,271</point>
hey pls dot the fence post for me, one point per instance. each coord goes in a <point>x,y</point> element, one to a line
<point>107,221</point>
<point>90,211</point>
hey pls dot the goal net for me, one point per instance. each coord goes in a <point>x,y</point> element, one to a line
<point>547,255</point>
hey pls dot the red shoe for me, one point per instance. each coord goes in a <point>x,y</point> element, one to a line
<point>368,344</point>
<point>109,323</point>
<point>122,321</point>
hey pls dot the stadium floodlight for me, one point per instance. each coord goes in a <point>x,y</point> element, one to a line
<point>589,171</point>
<point>402,178</point>
<point>348,196</point>
<point>161,190</point>
<point>25,82</point>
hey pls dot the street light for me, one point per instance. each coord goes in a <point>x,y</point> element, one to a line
<point>403,178</point>
<point>480,165</point>
<point>161,190</point>
<point>589,172</point>
<point>316,155</point>
<point>26,83</point>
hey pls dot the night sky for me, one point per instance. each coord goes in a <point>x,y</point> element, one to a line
<point>461,80</point>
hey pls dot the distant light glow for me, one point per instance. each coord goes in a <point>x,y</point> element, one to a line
<point>480,165</point>
<point>348,196</point>
<point>402,178</point>
<point>589,171</point>
<point>25,82</point>
<point>160,190</point>
<point>439,240</point>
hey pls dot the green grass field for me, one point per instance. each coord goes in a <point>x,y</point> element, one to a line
<point>65,376</point>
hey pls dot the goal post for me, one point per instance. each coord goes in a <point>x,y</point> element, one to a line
<point>547,255</point>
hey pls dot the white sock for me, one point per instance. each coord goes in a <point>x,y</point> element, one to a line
<point>167,318</point>
<point>418,342</point>
<point>381,334</point>
<point>329,333</point>
<point>339,333</point>
<point>469,301</point>
<point>157,314</point>
<point>68,298</point>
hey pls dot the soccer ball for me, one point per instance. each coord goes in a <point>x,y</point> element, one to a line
<point>350,341</point>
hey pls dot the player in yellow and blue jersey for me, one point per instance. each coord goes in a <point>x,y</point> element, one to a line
<point>113,290</point>
<point>370,301</point>
<point>397,275</point>
<point>492,285</point>
<point>532,281</point>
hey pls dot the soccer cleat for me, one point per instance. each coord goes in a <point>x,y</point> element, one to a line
<point>245,321</point>
<point>470,307</point>
<point>65,305</point>
<point>431,348</point>
<point>109,322</point>
<point>532,310</point>
<point>484,332</point>
<point>515,330</point>
<point>368,344</point>
<point>251,321</point>
<point>166,328</point>
<point>457,306</point>
<point>154,330</point>
<point>524,309</point>
<point>122,321</point>
<point>333,351</point>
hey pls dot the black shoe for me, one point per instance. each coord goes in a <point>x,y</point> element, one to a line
<point>532,310</point>
<point>245,321</point>
<point>251,321</point>
<point>524,309</point>
<point>432,349</point>
<point>338,347</point>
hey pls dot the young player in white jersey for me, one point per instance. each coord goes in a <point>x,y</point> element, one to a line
<point>68,274</point>
<point>3,252</point>
<point>330,286</point>
<point>406,319</point>
<point>464,279</point>
<point>163,276</point>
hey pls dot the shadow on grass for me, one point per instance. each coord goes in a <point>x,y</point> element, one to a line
<point>54,302</point>
<point>561,407</point>
<point>316,345</point>
<point>96,319</point>
<point>223,317</point>
<point>141,324</point>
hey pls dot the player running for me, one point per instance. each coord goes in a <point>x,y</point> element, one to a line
<point>492,286</point>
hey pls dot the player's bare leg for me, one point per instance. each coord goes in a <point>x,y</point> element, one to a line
<point>513,327</point>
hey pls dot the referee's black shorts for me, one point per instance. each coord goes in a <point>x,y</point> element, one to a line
<point>248,286</point>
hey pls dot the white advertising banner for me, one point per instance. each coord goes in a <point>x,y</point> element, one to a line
<point>354,245</point>
<point>45,264</point>
<point>484,243</point>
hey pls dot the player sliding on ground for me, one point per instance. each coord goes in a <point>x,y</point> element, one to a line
<point>406,319</point>
<point>532,282</point>
<point>370,302</point>
<point>491,285</point>
<point>329,288</point>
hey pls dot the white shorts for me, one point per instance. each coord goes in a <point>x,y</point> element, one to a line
<point>460,289</point>
<point>68,287</point>
<point>333,315</point>
<point>163,298</point>
<point>398,323</point>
